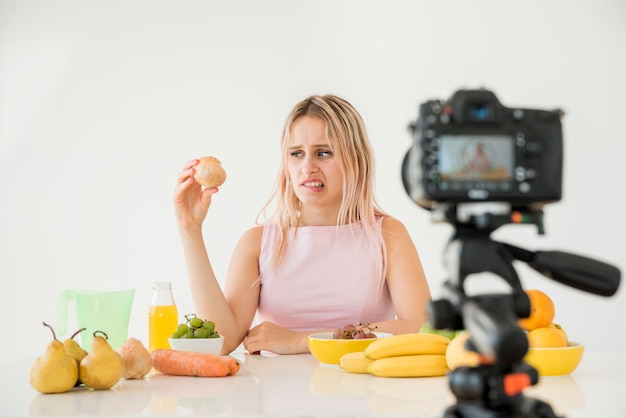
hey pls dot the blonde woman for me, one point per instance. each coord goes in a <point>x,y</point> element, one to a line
<point>326,255</point>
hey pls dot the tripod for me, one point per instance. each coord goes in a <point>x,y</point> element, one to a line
<point>494,388</point>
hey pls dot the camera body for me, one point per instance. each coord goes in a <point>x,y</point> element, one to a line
<point>471,148</point>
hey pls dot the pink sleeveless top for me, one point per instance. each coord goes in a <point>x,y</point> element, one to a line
<point>325,280</point>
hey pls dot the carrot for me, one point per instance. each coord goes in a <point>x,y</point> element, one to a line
<point>187,363</point>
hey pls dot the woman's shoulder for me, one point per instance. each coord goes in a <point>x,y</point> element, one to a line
<point>250,240</point>
<point>389,221</point>
<point>393,225</point>
<point>253,233</point>
<point>260,232</point>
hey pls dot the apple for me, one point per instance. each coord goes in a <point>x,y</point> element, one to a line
<point>427,329</point>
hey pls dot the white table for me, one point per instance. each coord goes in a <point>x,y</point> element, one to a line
<point>296,385</point>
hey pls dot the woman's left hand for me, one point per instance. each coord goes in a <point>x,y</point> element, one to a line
<point>268,336</point>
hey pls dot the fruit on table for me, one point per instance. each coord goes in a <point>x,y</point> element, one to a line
<point>546,337</point>
<point>355,362</point>
<point>401,355</point>
<point>541,331</point>
<point>195,328</point>
<point>356,332</point>
<point>407,344</point>
<point>427,329</point>
<point>541,311</point>
<point>54,371</point>
<point>209,172</point>
<point>103,367</point>
<point>560,329</point>
<point>457,355</point>
<point>137,359</point>
<point>74,350</point>
<point>419,365</point>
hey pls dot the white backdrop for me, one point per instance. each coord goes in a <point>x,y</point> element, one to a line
<point>102,102</point>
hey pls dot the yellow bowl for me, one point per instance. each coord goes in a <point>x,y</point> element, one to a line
<point>555,361</point>
<point>328,350</point>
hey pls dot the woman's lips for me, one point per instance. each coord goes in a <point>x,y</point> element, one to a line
<point>315,184</point>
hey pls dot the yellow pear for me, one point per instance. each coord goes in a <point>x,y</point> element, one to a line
<point>103,367</point>
<point>54,371</point>
<point>74,350</point>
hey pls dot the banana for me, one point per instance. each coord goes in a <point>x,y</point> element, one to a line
<point>355,362</point>
<point>406,345</point>
<point>418,365</point>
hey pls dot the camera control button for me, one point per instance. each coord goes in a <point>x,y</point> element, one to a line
<point>520,173</point>
<point>477,194</point>
<point>430,133</point>
<point>533,146</point>
<point>524,187</point>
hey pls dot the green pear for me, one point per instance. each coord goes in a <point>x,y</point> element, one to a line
<point>54,371</point>
<point>103,367</point>
<point>74,350</point>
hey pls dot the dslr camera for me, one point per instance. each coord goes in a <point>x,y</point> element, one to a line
<point>471,148</point>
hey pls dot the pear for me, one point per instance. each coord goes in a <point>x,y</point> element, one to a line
<point>103,367</point>
<point>54,371</point>
<point>74,350</point>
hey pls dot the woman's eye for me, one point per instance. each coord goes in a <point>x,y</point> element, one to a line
<point>324,154</point>
<point>296,153</point>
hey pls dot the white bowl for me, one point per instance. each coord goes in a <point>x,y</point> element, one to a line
<point>198,345</point>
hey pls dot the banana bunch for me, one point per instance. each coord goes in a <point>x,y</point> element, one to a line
<point>402,355</point>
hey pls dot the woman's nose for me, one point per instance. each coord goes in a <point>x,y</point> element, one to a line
<point>309,165</point>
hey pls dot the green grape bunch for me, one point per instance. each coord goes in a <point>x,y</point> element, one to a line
<point>195,328</point>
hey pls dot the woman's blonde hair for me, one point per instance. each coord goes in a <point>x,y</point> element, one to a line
<point>351,148</point>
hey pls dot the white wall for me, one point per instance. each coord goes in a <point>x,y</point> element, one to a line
<point>102,102</point>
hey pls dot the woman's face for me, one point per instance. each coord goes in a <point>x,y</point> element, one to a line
<point>312,168</point>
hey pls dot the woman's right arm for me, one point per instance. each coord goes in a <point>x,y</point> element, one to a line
<point>232,319</point>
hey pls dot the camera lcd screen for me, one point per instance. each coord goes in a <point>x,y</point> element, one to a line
<point>476,157</point>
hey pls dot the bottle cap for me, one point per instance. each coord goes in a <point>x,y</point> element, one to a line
<point>161,285</point>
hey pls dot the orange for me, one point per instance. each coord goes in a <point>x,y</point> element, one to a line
<point>541,311</point>
<point>546,337</point>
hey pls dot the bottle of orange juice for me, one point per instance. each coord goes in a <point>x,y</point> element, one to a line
<point>162,316</point>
